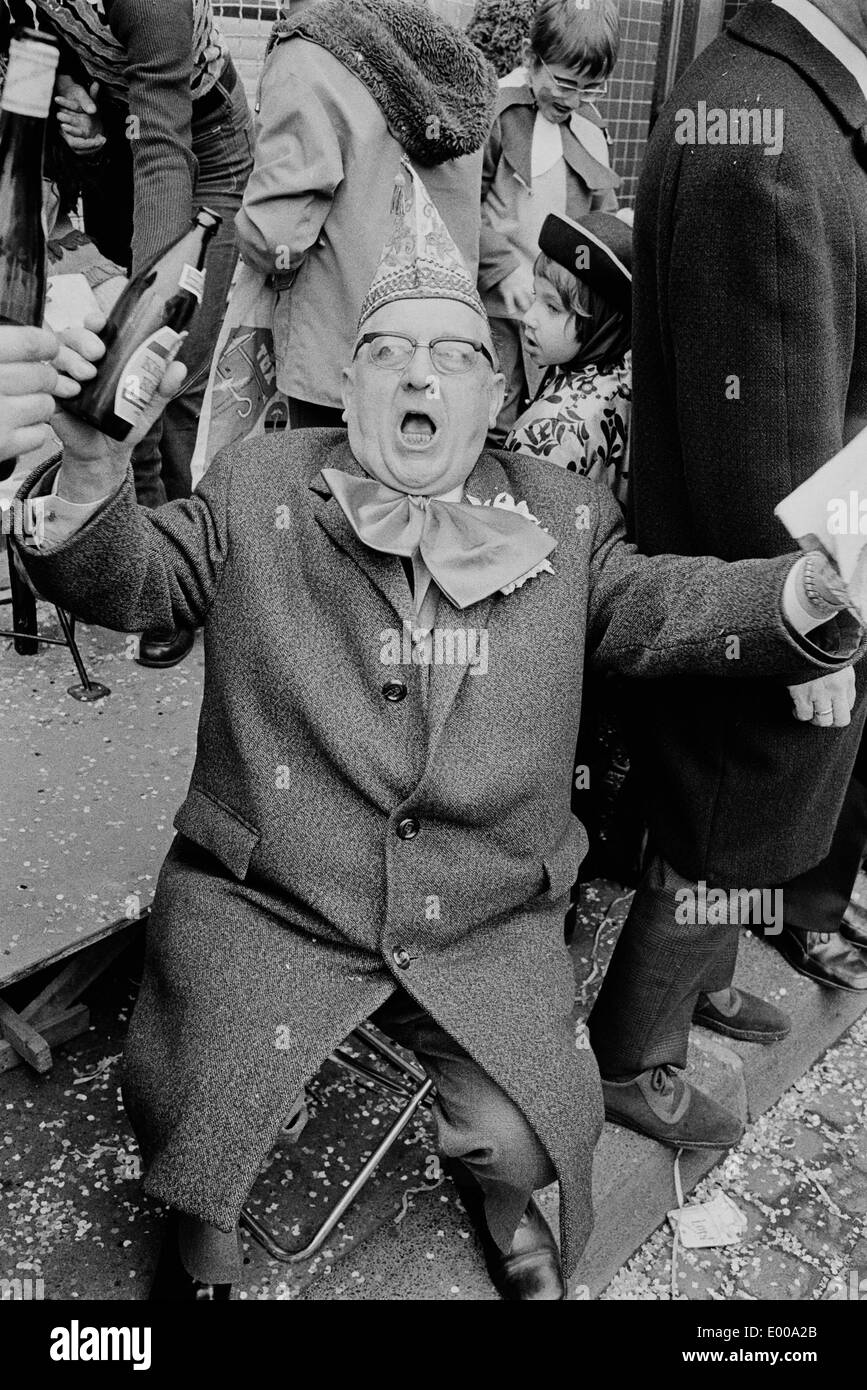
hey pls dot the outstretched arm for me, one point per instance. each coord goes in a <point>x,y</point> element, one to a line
<point>667,615</point>
<point>99,554</point>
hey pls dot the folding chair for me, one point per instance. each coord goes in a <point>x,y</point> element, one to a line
<point>411,1084</point>
<point>22,596</point>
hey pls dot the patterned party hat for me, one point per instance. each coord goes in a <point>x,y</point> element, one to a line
<point>420,259</point>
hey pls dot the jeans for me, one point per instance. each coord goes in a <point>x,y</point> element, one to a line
<point>222,144</point>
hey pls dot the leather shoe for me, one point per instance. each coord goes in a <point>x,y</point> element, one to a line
<point>742,1016</point>
<point>854,926</point>
<point>165,651</point>
<point>172,1283</point>
<point>663,1106</point>
<point>825,958</point>
<point>530,1272</point>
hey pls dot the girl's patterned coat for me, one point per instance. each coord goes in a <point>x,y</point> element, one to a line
<point>580,420</point>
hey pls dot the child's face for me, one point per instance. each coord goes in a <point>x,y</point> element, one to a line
<point>550,331</point>
<point>556,101</point>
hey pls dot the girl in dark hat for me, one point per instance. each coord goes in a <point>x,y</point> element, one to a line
<point>578,328</point>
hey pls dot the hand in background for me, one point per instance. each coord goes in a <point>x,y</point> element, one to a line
<point>30,386</point>
<point>77,116</point>
<point>827,701</point>
<point>517,292</point>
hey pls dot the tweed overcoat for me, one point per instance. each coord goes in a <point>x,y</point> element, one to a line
<point>289,898</point>
<point>749,373</point>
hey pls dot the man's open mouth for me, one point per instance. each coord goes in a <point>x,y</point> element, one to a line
<point>417,430</point>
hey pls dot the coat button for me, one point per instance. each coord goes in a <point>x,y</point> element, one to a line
<point>394,691</point>
<point>401,957</point>
<point>408,829</point>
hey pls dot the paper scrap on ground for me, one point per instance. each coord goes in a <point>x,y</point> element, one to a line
<point>717,1222</point>
<point>829,512</point>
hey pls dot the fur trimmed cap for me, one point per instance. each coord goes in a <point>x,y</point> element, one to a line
<point>420,260</point>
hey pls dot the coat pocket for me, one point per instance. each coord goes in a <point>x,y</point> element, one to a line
<point>217,829</point>
<point>562,862</point>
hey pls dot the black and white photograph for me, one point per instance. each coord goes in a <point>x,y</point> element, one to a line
<point>433,619</point>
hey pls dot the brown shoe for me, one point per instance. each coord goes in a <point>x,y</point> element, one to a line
<point>742,1016</point>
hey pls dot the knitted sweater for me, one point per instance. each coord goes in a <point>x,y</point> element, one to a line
<point>155,59</point>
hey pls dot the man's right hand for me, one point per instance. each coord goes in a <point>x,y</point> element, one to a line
<point>30,385</point>
<point>95,465</point>
<point>517,292</point>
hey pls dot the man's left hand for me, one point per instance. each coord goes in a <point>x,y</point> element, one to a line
<point>827,701</point>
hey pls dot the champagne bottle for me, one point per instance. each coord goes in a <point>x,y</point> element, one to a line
<point>24,108</point>
<point>145,332</point>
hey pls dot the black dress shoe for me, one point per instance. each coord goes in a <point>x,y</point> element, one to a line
<point>825,958</point>
<point>743,1016</point>
<point>172,1283</point>
<point>165,651</point>
<point>530,1272</point>
<point>854,926</point>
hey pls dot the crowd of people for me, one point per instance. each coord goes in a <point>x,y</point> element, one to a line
<point>456,312</point>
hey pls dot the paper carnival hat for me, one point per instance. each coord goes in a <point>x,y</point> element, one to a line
<point>597,250</point>
<point>420,260</point>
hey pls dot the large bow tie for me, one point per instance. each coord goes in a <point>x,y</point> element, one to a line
<point>470,551</point>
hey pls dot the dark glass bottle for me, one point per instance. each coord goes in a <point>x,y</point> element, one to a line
<point>145,331</point>
<point>24,109</point>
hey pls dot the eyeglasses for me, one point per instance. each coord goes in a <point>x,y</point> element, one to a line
<point>570,88</point>
<point>394,351</point>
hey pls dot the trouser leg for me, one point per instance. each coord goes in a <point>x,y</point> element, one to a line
<point>476,1121</point>
<point>208,1254</point>
<point>641,1018</point>
<point>815,901</point>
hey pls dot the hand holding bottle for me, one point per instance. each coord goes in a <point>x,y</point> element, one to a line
<point>94,464</point>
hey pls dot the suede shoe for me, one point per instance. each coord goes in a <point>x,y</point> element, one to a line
<point>824,957</point>
<point>161,652</point>
<point>742,1016</point>
<point>530,1272</point>
<point>663,1106</point>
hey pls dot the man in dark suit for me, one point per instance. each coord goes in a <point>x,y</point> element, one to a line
<point>750,370</point>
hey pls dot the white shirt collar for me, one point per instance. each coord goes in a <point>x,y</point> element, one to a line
<point>830,36</point>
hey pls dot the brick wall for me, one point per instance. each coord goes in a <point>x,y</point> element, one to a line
<point>247,26</point>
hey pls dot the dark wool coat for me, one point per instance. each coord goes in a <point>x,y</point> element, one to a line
<point>750,275</point>
<point>298,913</point>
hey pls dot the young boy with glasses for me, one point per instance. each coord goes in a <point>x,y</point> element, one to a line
<point>547,153</point>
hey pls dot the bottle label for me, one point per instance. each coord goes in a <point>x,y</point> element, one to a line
<point>30,78</point>
<point>193,280</point>
<point>143,373</point>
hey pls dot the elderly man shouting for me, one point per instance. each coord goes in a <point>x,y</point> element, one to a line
<point>376,828</point>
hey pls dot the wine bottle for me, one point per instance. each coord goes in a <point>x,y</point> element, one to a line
<point>145,332</point>
<point>24,108</point>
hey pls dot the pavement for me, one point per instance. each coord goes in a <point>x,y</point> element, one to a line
<point>72,1212</point>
